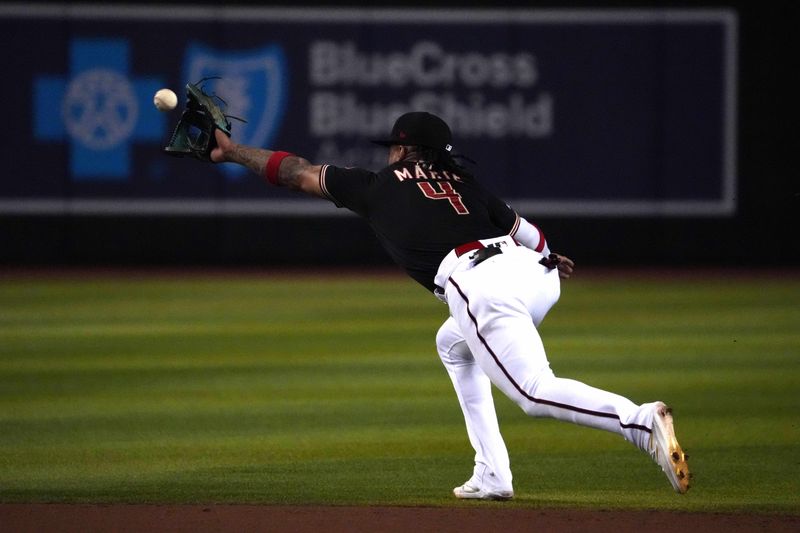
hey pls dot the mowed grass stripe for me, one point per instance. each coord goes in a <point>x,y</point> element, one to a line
<point>326,390</point>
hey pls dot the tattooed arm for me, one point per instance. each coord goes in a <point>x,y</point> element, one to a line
<point>294,172</point>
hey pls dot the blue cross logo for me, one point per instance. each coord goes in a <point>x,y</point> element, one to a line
<point>99,108</point>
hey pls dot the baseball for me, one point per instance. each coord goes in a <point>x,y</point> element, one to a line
<point>165,100</point>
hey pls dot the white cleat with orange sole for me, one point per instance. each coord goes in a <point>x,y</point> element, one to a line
<point>665,450</point>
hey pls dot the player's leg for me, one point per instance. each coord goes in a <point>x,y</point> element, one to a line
<point>495,306</point>
<point>492,474</point>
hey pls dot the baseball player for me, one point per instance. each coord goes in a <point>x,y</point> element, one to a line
<point>496,273</point>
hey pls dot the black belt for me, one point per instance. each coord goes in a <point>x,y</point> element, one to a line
<point>551,262</point>
<point>485,253</point>
<point>482,252</point>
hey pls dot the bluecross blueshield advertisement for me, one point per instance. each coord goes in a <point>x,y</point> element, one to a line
<point>566,112</point>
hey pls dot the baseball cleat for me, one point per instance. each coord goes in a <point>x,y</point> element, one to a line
<point>467,491</point>
<point>665,450</point>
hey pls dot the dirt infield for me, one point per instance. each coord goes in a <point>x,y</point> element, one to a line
<point>240,518</point>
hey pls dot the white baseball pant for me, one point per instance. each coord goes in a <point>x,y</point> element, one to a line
<point>491,337</point>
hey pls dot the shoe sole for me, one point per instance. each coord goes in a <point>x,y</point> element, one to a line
<point>669,454</point>
<point>482,495</point>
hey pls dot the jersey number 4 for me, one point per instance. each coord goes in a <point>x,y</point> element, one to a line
<point>445,192</point>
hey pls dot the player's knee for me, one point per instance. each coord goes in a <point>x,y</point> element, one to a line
<point>450,344</point>
<point>535,389</point>
<point>446,336</point>
<point>528,407</point>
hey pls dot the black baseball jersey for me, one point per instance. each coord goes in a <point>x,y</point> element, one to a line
<point>419,214</point>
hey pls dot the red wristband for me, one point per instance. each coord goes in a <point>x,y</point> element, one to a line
<point>274,164</point>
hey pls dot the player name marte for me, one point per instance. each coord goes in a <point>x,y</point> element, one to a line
<point>425,174</point>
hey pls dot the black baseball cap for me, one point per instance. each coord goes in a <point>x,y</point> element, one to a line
<point>419,128</point>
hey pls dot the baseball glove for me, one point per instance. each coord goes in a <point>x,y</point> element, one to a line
<point>194,133</point>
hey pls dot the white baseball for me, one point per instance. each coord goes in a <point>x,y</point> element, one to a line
<point>165,100</point>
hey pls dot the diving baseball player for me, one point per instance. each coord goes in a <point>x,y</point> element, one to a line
<point>496,273</point>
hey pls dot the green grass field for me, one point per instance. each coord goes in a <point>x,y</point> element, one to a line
<point>328,390</point>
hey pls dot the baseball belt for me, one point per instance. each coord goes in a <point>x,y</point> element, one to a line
<point>482,252</point>
<point>485,252</point>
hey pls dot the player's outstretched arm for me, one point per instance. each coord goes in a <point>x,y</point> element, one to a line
<point>293,171</point>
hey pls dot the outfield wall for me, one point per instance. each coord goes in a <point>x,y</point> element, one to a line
<point>645,135</point>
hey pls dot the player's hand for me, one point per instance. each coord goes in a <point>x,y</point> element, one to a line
<point>224,145</point>
<point>565,266</point>
<point>563,263</point>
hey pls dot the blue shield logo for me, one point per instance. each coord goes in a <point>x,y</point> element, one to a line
<point>254,85</point>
